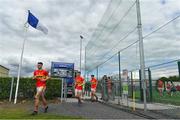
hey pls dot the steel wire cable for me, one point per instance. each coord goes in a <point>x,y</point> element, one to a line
<point>116,25</point>
<point>159,28</point>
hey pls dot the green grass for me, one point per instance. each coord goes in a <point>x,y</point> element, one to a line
<point>21,113</point>
<point>174,100</point>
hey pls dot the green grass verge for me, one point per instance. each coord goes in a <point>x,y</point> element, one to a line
<point>19,113</point>
<point>174,100</point>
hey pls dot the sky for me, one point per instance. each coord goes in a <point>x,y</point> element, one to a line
<point>66,20</point>
<point>121,30</point>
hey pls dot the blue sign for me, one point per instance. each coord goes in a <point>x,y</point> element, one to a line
<point>62,65</point>
<point>62,70</point>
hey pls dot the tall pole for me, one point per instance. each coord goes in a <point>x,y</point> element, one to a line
<point>62,88</point>
<point>20,64</point>
<point>97,73</point>
<point>85,64</point>
<point>178,67</point>
<point>81,37</point>
<point>141,50</point>
<point>12,83</point>
<point>120,85</point>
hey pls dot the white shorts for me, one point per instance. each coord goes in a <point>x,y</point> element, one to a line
<point>159,88</point>
<point>77,91</point>
<point>93,90</point>
<point>40,89</point>
<point>168,90</point>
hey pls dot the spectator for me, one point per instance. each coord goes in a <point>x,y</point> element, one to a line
<point>103,87</point>
<point>168,88</point>
<point>147,87</point>
<point>160,87</point>
<point>87,91</point>
<point>173,89</point>
<point>109,86</point>
<point>178,87</point>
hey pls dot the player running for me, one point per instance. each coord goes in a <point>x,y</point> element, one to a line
<point>79,82</point>
<point>41,76</point>
<point>94,83</point>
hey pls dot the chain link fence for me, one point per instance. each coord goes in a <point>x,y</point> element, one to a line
<point>115,47</point>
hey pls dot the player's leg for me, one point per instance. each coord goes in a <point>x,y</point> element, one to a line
<point>95,95</point>
<point>79,96</point>
<point>92,95</point>
<point>36,100</point>
<point>76,93</point>
<point>44,100</point>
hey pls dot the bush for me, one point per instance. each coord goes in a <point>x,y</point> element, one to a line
<point>5,84</point>
<point>27,88</point>
<point>171,78</point>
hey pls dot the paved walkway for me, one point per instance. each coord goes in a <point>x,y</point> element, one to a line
<point>89,110</point>
<point>96,110</point>
<point>140,105</point>
<point>164,110</point>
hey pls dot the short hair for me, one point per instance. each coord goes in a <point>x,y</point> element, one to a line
<point>40,63</point>
<point>79,72</point>
<point>92,75</point>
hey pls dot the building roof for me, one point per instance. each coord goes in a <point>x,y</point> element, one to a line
<point>4,67</point>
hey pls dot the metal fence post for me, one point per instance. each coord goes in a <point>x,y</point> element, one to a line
<point>131,84</point>
<point>120,84</point>
<point>150,84</point>
<point>97,73</point>
<point>85,72</point>
<point>133,97</point>
<point>62,90</point>
<point>178,67</point>
<point>140,84</point>
<point>141,50</point>
<point>65,89</point>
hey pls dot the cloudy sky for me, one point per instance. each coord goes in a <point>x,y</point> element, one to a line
<point>161,28</point>
<point>67,19</point>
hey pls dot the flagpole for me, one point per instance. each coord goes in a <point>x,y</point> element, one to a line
<point>21,60</point>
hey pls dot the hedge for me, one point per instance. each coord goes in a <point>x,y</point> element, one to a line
<point>27,88</point>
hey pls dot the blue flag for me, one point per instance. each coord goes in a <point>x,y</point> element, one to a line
<point>34,22</point>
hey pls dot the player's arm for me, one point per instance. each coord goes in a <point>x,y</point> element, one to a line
<point>96,82</point>
<point>83,83</point>
<point>74,83</point>
<point>46,77</point>
<point>34,76</point>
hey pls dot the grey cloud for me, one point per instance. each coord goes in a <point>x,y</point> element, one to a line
<point>66,20</point>
<point>159,47</point>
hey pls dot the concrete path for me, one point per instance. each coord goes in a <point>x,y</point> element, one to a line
<point>91,110</point>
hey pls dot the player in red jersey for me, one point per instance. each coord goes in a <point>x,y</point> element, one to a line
<point>79,82</point>
<point>94,83</point>
<point>41,76</point>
